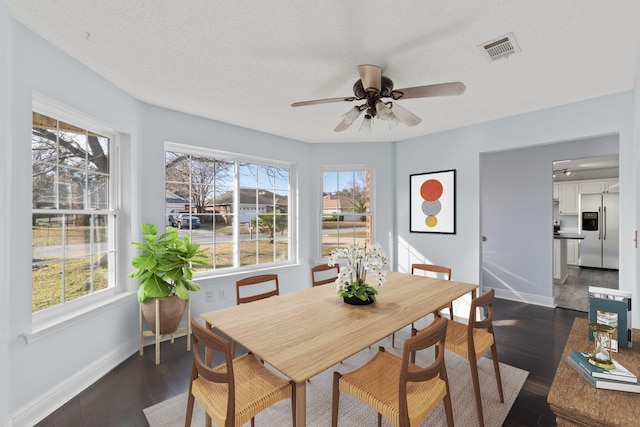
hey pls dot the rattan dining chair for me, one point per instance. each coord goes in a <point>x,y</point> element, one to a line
<point>246,288</point>
<point>402,392</point>
<point>472,340</point>
<point>324,274</point>
<point>432,268</point>
<point>236,391</point>
<point>255,288</point>
<point>438,269</point>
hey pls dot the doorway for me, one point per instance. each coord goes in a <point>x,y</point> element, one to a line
<point>588,184</point>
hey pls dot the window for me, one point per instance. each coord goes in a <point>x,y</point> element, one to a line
<point>239,209</point>
<point>346,216</point>
<point>73,210</point>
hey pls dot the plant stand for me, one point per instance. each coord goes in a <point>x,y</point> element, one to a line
<point>158,336</point>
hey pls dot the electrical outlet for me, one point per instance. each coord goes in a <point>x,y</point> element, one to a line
<point>209,296</point>
<point>222,295</point>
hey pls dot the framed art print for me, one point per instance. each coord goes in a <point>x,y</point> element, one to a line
<point>432,201</point>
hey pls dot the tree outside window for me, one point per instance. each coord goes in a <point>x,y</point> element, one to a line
<point>72,216</point>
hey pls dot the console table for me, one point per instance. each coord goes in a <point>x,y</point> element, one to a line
<point>577,403</point>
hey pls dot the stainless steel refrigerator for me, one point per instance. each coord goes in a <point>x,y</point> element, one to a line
<point>599,223</point>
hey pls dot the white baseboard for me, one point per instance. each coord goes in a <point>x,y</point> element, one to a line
<point>523,297</point>
<point>39,408</point>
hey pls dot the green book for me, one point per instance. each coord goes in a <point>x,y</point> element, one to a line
<point>611,307</point>
<point>619,373</point>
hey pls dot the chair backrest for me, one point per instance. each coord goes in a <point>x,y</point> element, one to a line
<point>259,282</point>
<point>208,340</point>
<point>434,334</point>
<point>485,302</point>
<point>433,268</point>
<point>323,274</point>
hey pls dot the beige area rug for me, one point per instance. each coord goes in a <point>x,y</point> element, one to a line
<point>353,413</point>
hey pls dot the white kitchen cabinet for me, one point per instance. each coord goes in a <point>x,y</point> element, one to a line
<point>568,198</point>
<point>597,187</point>
<point>555,191</point>
<point>556,259</point>
<point>559,260</point>
<point>612,186</point>
<point>592,187</point>
<point>572,252</point>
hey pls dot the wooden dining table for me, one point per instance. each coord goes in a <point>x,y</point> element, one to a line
<point>306,332</point>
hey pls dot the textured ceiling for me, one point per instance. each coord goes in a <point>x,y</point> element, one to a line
<point>244,63</point>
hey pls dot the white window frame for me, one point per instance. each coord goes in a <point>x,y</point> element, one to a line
<point>372,199</point>
<point>292,206</point>
<point>49,320</point>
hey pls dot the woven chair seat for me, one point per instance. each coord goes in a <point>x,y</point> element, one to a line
<point>457,340</point>
<point>376,384</point>
<point>256,388</point>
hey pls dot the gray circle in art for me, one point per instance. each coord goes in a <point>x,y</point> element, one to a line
<point>431,208</point>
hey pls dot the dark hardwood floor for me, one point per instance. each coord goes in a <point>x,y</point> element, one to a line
<point>529,337</point>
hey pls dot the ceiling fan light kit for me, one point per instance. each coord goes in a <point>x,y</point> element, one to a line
<point>371,87</point>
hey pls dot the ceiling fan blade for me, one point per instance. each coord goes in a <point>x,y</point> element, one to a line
<point>405,116</point>
<point>442,89</point>
<point>323,101</point>
<point>371,76</point>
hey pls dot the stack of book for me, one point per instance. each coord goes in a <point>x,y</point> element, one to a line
<point>618,378</point>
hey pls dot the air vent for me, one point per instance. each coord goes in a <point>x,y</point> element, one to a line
<point>500,47</point>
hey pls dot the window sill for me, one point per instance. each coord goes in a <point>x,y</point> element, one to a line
<point>252,269</point>
<point>43,329</point>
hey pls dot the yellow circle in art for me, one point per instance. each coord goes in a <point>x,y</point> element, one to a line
<point>431,221</point>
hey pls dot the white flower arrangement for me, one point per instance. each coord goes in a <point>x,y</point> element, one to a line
<point>351,281</point>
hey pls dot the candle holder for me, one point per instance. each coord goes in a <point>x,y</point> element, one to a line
<point>602,335</point>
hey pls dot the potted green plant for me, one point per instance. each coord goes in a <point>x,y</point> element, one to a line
<point>165,270</point>
<point>352,283</point>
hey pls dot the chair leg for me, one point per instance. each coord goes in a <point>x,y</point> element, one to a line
<point>379,419</point>
<point>190,401</point>
<point>335,400</point>
<point>496,368</point>
<point>473,364</point>
<point>393,340</point>
<point>448,410</point>
<point>253,422</point>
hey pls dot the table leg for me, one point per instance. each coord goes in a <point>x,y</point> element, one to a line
<point>301,404</point>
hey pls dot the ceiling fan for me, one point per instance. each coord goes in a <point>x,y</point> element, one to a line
<point>372,87</point>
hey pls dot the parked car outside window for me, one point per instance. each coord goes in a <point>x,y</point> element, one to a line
<point>184,221</point>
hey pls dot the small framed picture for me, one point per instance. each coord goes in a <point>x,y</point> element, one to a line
<point>432,200</point>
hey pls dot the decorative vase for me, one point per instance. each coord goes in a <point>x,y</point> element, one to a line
<point>171,311</point>
<point>357,301</point>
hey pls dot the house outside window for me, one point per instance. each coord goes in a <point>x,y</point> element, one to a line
<point>73,211</point>
<point>347,214</point>
<point>238,209</point>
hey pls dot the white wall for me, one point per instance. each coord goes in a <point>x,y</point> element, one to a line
<point>6,32</point>
<point>461,149</point>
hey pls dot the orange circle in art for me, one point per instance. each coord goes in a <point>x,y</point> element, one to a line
<point>431,190</point>
<point>431,221</point>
